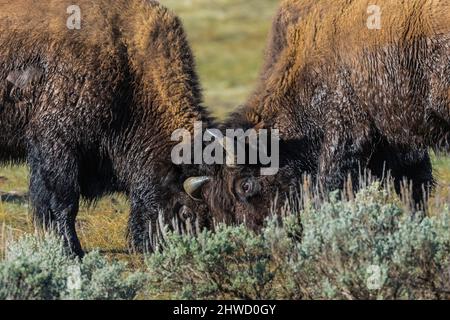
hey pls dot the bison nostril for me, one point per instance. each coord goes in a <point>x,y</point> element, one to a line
<point>185,213</point>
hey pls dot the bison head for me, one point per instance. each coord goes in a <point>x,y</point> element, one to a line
<point>235,195</point>
<point>241,194</point>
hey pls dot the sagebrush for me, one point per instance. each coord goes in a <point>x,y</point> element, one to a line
<point>367,247</point>
<point>40,268</point>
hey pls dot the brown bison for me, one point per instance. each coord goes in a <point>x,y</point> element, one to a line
<point>346,94</point>
<point>92,107</point>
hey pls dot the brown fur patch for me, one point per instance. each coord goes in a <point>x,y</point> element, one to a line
<point>321,32</point>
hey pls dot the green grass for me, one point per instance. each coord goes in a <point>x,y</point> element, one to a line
<point>441,168</point>
<point>228,38</point>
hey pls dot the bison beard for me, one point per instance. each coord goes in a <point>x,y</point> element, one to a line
<point>93,109</point>
<point>346,98</point>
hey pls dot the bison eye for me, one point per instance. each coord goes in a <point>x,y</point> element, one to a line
<point>247,188</point>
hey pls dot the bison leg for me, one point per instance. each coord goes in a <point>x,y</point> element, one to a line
<point>145,206</point>
<point>411,166</point>
<point>342,158</point>
<point>54,192</point>
<point>418,174</point>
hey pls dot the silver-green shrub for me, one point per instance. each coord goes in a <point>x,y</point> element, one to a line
<point>368,247</point>
<point>231,262</point>
<point>40,268</point>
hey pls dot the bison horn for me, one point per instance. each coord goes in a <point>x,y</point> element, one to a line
<point>193,185</point>
<point>224,142</point>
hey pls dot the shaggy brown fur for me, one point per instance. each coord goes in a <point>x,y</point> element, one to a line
<point>346,97</point>
<point>94,109</point>
<point>331,42</point>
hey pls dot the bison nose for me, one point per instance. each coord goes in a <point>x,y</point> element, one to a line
<point>185,213</point>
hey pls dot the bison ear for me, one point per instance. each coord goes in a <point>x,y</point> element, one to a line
<point>23,78</point>
<point>193,185</point>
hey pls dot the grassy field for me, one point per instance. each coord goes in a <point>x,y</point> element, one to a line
<point>228,38</point>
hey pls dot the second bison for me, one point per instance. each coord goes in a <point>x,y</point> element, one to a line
<point>345,96</point>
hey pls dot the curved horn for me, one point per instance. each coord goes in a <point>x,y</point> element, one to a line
<point>193,184</point>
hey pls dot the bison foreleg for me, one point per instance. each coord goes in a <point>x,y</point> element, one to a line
<point>411,166</point>
<point>54,192</point>
<point>343,158</point>
<point>142,233</point>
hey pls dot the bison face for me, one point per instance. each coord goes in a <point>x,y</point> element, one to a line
<point>240,195</point>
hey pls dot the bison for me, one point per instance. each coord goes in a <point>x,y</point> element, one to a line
<point>346,95</point>
<point>92,108</point>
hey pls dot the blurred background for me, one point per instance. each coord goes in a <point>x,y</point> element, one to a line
<point>228,38</point>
